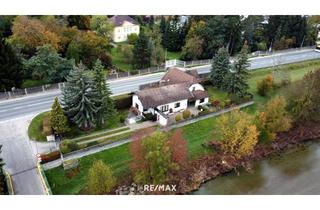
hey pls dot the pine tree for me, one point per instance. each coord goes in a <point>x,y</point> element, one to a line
<point>58,120</point>
<point>11,72</point>
<point>236,80</point>
<point>220,68</point>
<point>107,104</point>
<point>80,98</point>
<point>141,52</point>
<point>163,25</point>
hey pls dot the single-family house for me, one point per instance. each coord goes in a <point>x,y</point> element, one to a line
<point>178,90</point>
<point>124,25</point>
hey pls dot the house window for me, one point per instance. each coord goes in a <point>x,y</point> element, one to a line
<point>137,106</point>
<point>194,88</point>
<point>201,100</point>
<point>165,108</point>
<point>177,105</point>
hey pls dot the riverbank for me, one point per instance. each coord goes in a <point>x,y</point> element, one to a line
<point>190,177</point>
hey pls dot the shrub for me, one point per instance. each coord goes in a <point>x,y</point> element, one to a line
<point>222,105</point>
<point>265,85</point>
<point>68,146</point>
<point>50,156</point>
<point>200,108</point>
<point>132,38</point>
<point>215,103</point>
<point>73,146</point>
<point>150,116</point>
<point>92,143</point>
<point>178,117</point>
<point>186,114</point>
<point>205,112</point>
<point>227,102</point>
<point>122,119</point>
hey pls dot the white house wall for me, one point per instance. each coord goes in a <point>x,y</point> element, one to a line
<point>183,106</point>
<point>120,33</point>
<point>135,100</point>
<point>196,87</point>
<point>197,103</point>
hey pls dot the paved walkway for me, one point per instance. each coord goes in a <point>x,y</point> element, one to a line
<point>93,150</point>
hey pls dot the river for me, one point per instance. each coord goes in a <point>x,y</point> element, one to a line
<point>297,171</point>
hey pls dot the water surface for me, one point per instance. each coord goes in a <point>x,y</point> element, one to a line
<point>296,171</point>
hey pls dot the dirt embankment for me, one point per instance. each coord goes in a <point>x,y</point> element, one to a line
<point>191,176</point>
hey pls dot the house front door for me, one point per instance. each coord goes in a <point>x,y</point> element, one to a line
<point>170,110</point>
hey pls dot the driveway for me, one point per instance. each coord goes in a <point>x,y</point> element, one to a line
<point>19,158</point>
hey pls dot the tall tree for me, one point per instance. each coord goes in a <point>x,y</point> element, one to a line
<point>157,54</point>
<point>11,73</point>
<point>80,98</point>
<point>220,68</point>
<point>141,52</point>
<point>29,33</point>
<point>236,80</point>
<point>173,38</point>
<point>87,47</point>
<point>107,109</point>
<point>274,119</point>
<point>238,133</point>
<point>157,160</point>
<point>58,120</point>
<point>100,178</point>
<point>82,22</point>
<point>163,25</point>
<point>48,65</point>
<point>102,26</point>
<point>304,98</point>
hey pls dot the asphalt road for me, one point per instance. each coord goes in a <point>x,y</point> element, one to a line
<point>19,159</point>
<point>16,108</point>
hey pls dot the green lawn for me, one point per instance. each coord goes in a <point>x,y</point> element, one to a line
<point>173,55</point>
<point>195,134</point>
<point>35,128</point>
<point>118,158</point>
<point>118,60</point>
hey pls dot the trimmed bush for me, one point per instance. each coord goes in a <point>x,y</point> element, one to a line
<point>178,117</point>
<point>186,114</point>
<point>215,103</point>
<point>199,107</point>
<point>50,156</point>
<point>150,116</point>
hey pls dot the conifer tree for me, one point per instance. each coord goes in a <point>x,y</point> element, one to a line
<point>58,120</point>
<point>80,98</point>
<point>220,68</point>
<point>236,80</point>
<point>141,52</point>
<point>10,67</point>
<point>107,103</point>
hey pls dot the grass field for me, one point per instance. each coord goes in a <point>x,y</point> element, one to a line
<point>35,128</point>
<point>195,134</point>
<point>118,60</point>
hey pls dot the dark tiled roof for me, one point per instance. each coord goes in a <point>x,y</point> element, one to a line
<point>154,97</point>
<point>175,76</point>
<point>200,94</point>
<point>118,20</point>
